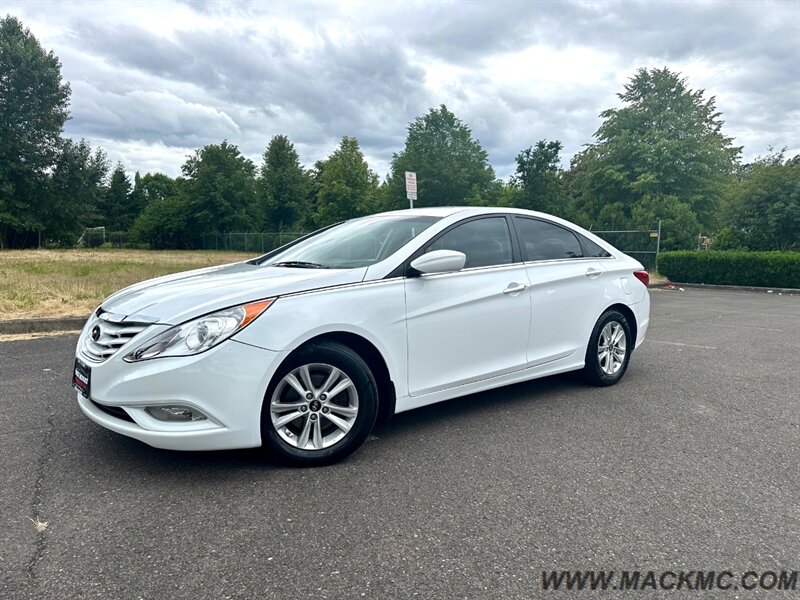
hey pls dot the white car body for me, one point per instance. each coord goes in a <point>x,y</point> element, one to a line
<point>439,336</point>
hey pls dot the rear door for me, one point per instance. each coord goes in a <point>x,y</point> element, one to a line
<point>567,289</point>
<point>470,324</point>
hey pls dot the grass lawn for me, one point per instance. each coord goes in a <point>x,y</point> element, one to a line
<point>59,283</point>
<point>65,283</point>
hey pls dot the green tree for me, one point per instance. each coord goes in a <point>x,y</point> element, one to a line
<point>284,185</point>
<point>538,178</point>
<point>345,185</point>
<point>450,165</point>
<point>33,108</point>
<point>506,194</point>
<point>497,193</point>
<point>662,155</point>
<point>155,187</point>
<point>75,190</point>
<point>763,208</point>
<point>114,207</point>
<point>136,201</point>
<point>680,226</point>
<point>164,224</point>
<point>220,190</point>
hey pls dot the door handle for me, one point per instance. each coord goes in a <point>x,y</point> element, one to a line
<point>514,288</point>
<point>593,273</point>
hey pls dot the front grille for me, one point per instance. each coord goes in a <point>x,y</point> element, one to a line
<point>103,338</point>
<point>114,411</point>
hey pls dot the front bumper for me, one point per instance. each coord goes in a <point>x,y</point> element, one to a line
<point>226,383</point>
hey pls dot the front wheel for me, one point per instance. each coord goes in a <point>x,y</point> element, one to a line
<point>609,349</point>
<point>320,407</point>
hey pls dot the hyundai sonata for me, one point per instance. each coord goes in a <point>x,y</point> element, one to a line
<point>302,349</point>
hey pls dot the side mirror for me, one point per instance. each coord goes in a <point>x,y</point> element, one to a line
<point>439,261</point>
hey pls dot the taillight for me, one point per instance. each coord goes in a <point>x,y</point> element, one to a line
<point>642,276</point>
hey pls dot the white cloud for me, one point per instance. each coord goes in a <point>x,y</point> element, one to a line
<point>148,115</point>
<point>146,156</point>
<point>153,81</point>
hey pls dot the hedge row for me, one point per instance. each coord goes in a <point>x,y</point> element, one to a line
<point>763,269</point>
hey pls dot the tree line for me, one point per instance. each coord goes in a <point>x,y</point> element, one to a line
<point>661,155</point>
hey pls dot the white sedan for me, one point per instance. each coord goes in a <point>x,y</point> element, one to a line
<point>302,349</point>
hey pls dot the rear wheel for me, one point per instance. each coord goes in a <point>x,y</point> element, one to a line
<point>609,349</point>
<point>320,407</point>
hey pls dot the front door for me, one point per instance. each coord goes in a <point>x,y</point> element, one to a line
<point>472,324</point>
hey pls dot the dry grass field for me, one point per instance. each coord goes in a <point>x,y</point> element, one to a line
<point>65,283</point>
<point>59,283</point>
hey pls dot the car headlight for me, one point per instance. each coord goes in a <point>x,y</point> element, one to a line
<point>201,334</point>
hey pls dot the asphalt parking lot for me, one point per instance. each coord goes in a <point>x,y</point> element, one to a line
<point>692,461</point>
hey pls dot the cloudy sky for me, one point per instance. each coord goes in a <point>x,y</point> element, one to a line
<point>152,81</point>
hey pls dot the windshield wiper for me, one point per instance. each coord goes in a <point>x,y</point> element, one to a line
<point>298,264</point>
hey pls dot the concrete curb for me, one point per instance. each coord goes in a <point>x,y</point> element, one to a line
<point>41,325</point>
<point>732,288</point>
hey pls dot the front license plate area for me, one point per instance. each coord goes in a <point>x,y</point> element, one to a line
<point>82,378</point>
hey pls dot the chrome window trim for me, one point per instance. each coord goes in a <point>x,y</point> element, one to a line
<point>562,260</point>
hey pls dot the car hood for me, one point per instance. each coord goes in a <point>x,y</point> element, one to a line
<point>173,299</point>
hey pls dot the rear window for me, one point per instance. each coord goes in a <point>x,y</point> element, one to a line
<point>593,249</point>
<point>541,240</point>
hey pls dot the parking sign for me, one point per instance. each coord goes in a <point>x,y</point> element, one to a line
<point>411,187</point>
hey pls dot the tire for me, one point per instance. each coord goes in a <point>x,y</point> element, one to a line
<point>332,418</point>
<point>597,370</point>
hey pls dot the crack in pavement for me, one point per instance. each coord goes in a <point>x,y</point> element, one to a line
<point>36,501</point>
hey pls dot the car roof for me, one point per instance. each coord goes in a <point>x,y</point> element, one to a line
<point>432,211</point>
<point>447,211</point>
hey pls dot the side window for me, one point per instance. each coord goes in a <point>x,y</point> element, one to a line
<point>486,242</point>
<point>593,249</point>
<point>545,241</point>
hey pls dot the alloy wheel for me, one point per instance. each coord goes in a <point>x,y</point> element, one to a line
<point>314,406</point>
<point>611,347</point>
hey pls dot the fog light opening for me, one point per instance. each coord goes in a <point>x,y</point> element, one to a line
<point>180,414</point>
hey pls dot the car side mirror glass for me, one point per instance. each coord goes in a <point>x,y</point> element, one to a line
<point>439,261</point>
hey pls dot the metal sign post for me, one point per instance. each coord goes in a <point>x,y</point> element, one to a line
<point>411,188</point>
<point>658,241</point>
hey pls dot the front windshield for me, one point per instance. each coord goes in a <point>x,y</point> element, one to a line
<point>358,243</point>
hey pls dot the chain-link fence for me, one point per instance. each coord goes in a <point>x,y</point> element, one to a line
<point>252,242</point>
<point>94,237</point>
<point>642,244</point>
<point>257,243</point>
